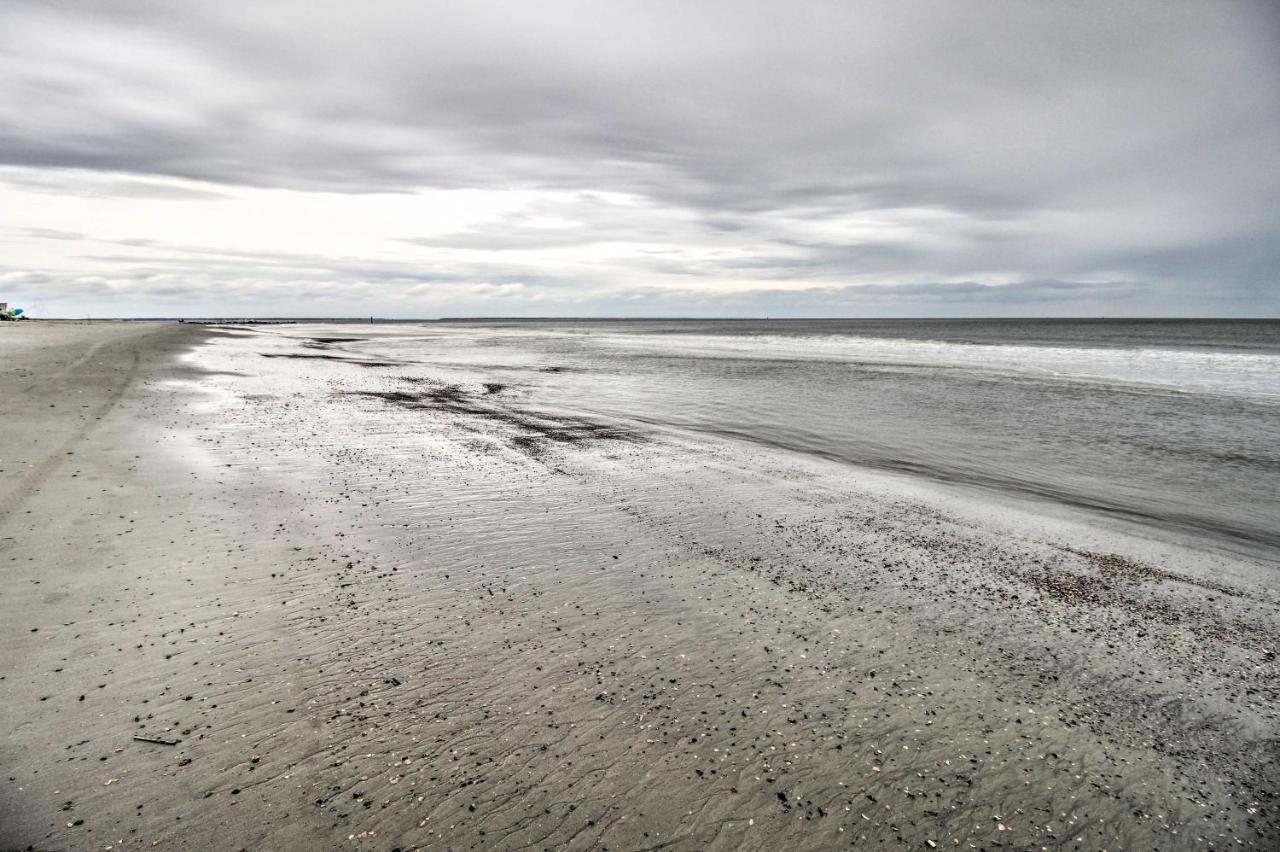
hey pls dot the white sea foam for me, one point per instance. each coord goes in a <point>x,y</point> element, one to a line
<point>1252,374</point>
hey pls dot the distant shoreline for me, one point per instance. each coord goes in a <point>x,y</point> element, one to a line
<point>532,319</point>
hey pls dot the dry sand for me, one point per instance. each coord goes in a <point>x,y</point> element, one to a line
<point>350,603</point>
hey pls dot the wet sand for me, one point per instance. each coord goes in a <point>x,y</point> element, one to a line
<point>331,598</point>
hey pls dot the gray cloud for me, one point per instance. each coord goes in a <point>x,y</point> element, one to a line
<point>50,234</point>
<point>832,144</point>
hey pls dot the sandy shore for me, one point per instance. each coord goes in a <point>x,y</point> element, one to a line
<point>328,598</point>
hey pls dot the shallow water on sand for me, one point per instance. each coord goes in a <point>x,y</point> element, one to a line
<point>1169,423</point>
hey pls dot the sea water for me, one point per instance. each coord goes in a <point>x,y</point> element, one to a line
<point>1169,423</point>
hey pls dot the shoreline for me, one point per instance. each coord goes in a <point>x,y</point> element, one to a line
<point>376,612</point>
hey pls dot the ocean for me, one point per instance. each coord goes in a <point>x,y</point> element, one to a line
<point>1167,423</point>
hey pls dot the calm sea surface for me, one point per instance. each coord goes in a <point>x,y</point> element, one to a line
<point>1170,423</point>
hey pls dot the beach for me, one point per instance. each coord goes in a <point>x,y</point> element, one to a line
<point>303,587</point>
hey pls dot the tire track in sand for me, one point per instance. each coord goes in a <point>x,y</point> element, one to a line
<point>66,371</point>
<point>29,484</point>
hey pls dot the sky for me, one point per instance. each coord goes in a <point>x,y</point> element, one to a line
<point>843,159</point>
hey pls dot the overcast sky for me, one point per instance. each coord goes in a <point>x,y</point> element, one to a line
<point>640,159</point>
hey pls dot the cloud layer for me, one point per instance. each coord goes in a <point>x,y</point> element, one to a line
<point>640,158</point>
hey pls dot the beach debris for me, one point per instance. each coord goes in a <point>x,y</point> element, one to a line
<point>156,740</point>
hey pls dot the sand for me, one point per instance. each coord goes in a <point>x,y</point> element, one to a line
<point>329,598</point>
